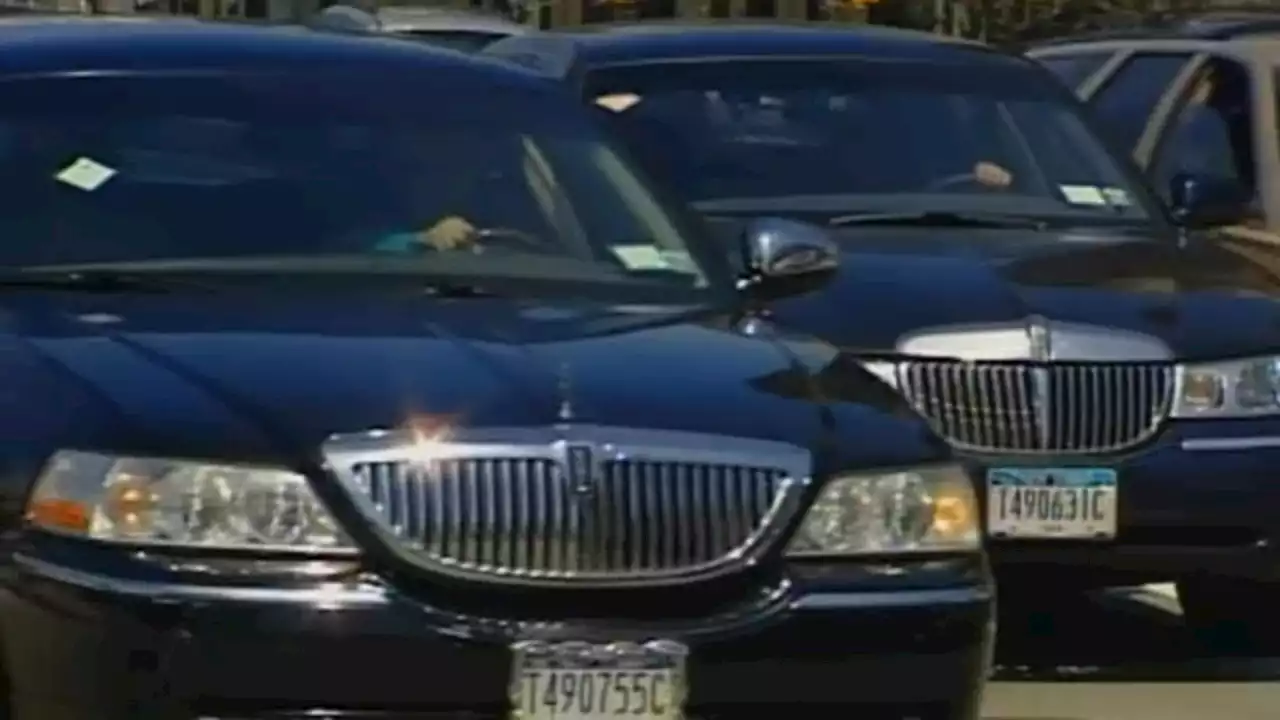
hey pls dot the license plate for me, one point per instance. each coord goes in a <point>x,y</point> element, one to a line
<point>593,681</point>
<point>1060,503</point>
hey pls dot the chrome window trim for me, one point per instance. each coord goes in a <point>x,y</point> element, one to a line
<point>345,451</point>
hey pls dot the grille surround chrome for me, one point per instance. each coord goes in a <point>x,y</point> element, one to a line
<point>791,465</point>
<point>1028,391</point>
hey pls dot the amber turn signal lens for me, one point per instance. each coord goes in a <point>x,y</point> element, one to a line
<point>1203,390</point>
<point>59,514</point>
<point>952,516</point>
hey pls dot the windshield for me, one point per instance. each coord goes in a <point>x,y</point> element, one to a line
<point>832,136</point>
<point>464,180</point>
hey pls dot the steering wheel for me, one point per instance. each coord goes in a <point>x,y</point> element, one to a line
<point>518,239</point>
<point>967,178</point>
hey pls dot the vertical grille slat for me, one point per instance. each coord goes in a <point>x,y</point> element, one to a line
<point>1043,408</point>
<point>519,516</point>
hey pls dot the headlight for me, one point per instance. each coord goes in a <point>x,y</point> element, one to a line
<point>1228,389</point>
<point>181,503</point>
<point>909,511</point>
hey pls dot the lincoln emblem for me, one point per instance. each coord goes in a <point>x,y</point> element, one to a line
<point>1041,352</point>
<point>580,468</point>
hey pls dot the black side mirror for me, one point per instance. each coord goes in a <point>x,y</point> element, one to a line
<point>785,257</point>
<point>1199,201</point>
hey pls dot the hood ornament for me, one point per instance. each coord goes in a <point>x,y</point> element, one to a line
<point>564,389</point>
<point>1038,336</point>
<point>1041,353</point>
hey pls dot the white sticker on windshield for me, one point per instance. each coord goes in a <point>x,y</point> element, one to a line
<point>641,257</point>
<point>1083,195</point>
<point>618,102</point>
<point>1117,197</point>
<point>85,174</point>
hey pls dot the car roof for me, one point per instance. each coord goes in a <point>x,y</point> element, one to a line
<point>410,19</point>
<point>1213,25</point>
<point>650,41</point>
<point>52,44</point>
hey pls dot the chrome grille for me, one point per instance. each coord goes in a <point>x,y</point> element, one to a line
<point>511,510</point>
<point>520,515</point>
<point>1042,408</point>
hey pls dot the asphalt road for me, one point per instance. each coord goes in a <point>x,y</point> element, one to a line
<point>1121,656</point>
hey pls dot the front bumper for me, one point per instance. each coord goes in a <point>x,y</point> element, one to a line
<point>78,645</point>
<point>1203,499</point>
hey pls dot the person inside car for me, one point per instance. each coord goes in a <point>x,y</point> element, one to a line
<point>479,195</point>
<point>457,230</point>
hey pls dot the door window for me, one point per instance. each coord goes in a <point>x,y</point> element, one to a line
<point>1125,102</point>
<point>1211,133</point>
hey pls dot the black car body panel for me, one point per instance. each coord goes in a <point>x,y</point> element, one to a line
<point>1195,296</point>
<point>1202,299</point>
<point>217,373</point>
<point>505,361</point>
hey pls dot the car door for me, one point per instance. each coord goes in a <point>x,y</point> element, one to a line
<point>1223,123</point>
<point>1209,129</point>
<point>1131,100</point>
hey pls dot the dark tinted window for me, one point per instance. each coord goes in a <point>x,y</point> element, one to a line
<point>123,168</point>
<point>859,135</point>
<point>1125,102</point>
<point>1075,69</point>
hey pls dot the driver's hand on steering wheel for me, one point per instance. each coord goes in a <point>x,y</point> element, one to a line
<point>992,175</point>
<point>449,233</point>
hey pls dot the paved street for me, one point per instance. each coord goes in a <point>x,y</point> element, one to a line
<point>1121,657</point>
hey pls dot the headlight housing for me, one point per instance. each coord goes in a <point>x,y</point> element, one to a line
<point>917,510</point>
<point>1228,389</point>
<point>181,503</point>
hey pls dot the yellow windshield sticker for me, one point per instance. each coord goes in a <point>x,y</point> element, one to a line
<point>641,257</point>
<point>1082,195</point>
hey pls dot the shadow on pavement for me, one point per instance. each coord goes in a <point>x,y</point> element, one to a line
<point>1120,656</point>
<point>1131,635</point>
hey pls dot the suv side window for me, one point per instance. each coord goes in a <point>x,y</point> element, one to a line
<point>1125,103</point>
<point>1073,70</point>
<point>1211,132</point>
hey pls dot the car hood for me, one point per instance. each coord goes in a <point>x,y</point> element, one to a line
<point>206,370</point>
<point>1207,298</point>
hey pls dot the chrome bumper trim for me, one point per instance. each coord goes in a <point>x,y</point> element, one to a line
<point>1231,443</point>
<point>892,599</point>
<point>330,595</point>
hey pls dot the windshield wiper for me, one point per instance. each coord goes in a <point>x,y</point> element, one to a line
<point>933,218</point>
<point>107,282</point>
<point>94,281</point>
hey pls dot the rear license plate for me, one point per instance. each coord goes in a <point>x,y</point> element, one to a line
<point>1057,503</point>
<point>593,681</point>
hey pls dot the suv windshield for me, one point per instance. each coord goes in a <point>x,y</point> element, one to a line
<point>833,136</point>
<point>397,175</point>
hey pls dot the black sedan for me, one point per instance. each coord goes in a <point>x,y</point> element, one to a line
<point>1112,378</point>
<point>282,440</point>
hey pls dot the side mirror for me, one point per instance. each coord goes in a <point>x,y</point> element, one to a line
<point>1198,201</point>
<point>785,257</point>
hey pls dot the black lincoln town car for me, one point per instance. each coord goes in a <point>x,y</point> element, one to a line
<point>1110,371</point>
<point>350,378</point>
